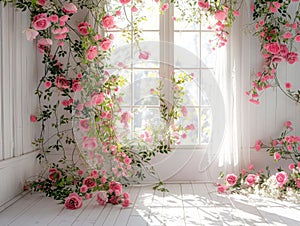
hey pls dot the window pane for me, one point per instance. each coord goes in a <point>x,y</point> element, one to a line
<point>189,54</point>
<point>151,10</point>
<point>144,80</point>
<point>126,90</point>
<point>206,125</point>
<point>146,117</point>
<point>208,56</point>
<point>207,81</point>
<point>182,24</point>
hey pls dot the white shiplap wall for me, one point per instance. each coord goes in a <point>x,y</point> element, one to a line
<point>18,78</point>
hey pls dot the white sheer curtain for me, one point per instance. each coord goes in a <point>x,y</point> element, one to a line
<point>232,74</point>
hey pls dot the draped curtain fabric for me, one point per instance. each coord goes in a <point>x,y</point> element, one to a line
<point>232,74</point>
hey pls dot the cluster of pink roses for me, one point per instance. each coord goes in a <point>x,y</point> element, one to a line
<point>275,42</point>
<point>224,15</point>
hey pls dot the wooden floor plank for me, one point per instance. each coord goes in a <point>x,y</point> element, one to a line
<point>184,205</point>
<point>19,207</point>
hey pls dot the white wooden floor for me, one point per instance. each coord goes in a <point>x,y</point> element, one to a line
<point>185,204</point>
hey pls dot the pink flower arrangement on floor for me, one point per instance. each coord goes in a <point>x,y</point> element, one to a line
<point>282,184</point>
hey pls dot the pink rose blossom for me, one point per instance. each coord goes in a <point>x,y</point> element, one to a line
<point>83,189</point>
<point>126,203</point>
<point>283,50</point>
<point>92,53</point>
<point>33,118</point>
<point>277,59</point>
<point>144,55</point>
<point>184,111</point>
<point>134,9</point>
<point>76,87</point>
<point>124,1</point>
<point>220,15</point>
<point>222,188</point>
<point>84,125</point>
<point>292,166</point>
<point>102,198</point>
<point>47,84</point>
<point>90,143</point>
<point>105,44</point>
<point>287,35</point>
<point>251,167</point>
<point>125,118</point>
<point>203,4</point>
<point>277,156</point>
<point>258,145</point>
<point>108,22</point>
<point>236,13</point>
<point>281,178</point>
<point>184,136</point>
<point>97,37</point>
<point>44,44</point>
<point>61,82</point>
<point>95,174</point>
<point>118,13</point>
<point>69,8</point>
<point>90,182</point>
<point>243,172</point>
<point>231,179</point>
<point>272,47</point>
<point>292,57</point>
<point>165,7</point>
<point>98,99</point>
<point>54,174</point>
<point>41,2</point>
<point>80,172</point>
<point>288,85</point>
<point>73,201</point>
<point>288,124</point>
<point>297,181</point>
<point>297,38</point>
<point>190,127</point>
<point>40,22</point>
<point>53,18</point>
<point>115,187</point>
<point>30,34</point>
<point>83,28</point>
<point>250,179</point>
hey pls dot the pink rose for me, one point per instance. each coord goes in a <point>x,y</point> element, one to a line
<point>273,47</point>
<point>281,178</point>
<point>90,182</point>
<point>69,8</point>
<point>297,38</point>
<point>92,53</point>
<point>83,28</point>
<point>90,143</point>
<point>76,87</point>
<point>115,187</point>
<point>98,99</point>
<point>258,145</point>
<point>283,50</point>
<point>41,2</point>
<point>83,189</point>
<point>134,9</point>
<point>288,124</point>
<point>108,22</point>
<point>184,111</point>
<point>292,166</point>
<point>277,156</point>
<point>40,22</point>
<point>288,85</point>
<point>292,57</point>
<point>287,35</point>
<point>53,18</point>
<point>126,195</point>
<point>61,82</point>
<point>33,118</point>
<point>127,160</point>
<point>222,188</point>
<point>250,179</point>
<point>220,15</point>
<point>105,44</point>
<point>30,34</point>
<point>124,1</point>
<point>165,7</point>
<point>73,201</point>
<point>44,45</point>
<point>48,84</point>
<point>54,174</point>
<point>102,198</point>
<point>80,172</point>
<point>277,59</point>
<point>204,5</point>
<point>144,55</point>
<point>125,118</point>
<point>190,127</point>
<point>251,167</point>
<point>231,179</point>
<point>126,203</point>
<point>84,125</point>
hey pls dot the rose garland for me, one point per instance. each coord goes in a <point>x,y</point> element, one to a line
<point>278,32</point>
<point>71,69</point>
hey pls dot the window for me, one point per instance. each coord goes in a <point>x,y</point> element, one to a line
<point>179,47</point>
